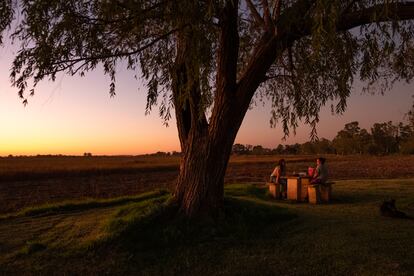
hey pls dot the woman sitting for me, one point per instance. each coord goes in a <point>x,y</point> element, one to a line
<point>277,177</point>
<point>320,175</point>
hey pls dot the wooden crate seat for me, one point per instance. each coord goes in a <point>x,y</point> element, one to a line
<point>314,194</point>
<point>274,189</point>
<point>320,193</point>
<point>326,192</point>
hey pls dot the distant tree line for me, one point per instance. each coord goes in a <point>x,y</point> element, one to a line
<point>164,154</point>
<point>382,139</point>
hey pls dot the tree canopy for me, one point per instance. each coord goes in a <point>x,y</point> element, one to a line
<point>316,50</point>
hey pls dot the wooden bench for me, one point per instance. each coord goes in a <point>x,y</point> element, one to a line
<point>274,189</point>
<point>326,191</point>
<point>318,193</point>
<point>314,194</point>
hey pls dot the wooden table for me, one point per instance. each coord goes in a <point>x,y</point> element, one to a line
<point>297,187</point>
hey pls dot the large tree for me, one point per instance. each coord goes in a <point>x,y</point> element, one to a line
<point>207,59</point>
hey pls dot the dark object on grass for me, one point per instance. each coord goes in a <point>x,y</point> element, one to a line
<point>388,209</point>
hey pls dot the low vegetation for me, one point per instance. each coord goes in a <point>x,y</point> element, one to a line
<point>80,205</point>
<point>254,235</point>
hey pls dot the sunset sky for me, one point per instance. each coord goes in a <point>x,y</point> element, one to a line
<point>75,115</point>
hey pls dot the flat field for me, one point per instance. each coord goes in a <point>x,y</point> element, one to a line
<point>29,181</point>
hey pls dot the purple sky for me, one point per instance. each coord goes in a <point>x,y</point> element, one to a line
<point>75,115</point>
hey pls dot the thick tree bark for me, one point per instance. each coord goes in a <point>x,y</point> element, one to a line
<point>200,187</point>
<point>206,146</point>
<point>201,180</point>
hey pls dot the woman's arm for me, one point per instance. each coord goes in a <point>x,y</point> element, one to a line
<point>316,173</point>
<point>278,174</point>
<point>275,171</point>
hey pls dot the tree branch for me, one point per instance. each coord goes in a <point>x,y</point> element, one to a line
<point>278,76</point>
<point>135,14</point>
<point>125,6</point>
<point>228,48</point>
<point>118,54</point>
<point>266,14</point>
<point>397,11</point>
<point>255,13</point>
<point>100,21</point>
<point>276,9</point>
<point>227,59</point>
<point>270,47</point>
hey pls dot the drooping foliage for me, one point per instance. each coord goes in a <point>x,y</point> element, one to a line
<point>6,16</point>
<point>321,53</point>
<point>76,36</point>
<point>321,67</point>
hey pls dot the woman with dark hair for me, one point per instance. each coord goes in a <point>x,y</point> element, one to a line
<point>320,176</point>
<point>276,176</point>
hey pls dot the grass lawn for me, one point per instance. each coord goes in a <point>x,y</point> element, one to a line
<point>255,235</point>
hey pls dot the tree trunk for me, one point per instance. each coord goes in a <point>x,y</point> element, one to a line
<point>200,187</point>
<point>206,146</point>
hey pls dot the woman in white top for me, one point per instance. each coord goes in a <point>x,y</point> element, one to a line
<point>276,176</point>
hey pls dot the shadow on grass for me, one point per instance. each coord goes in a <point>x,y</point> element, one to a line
<point>161,227</point>
<point>158,233</point>
<point>149,236</point>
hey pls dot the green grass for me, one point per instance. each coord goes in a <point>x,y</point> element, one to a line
<point>79,205</point>
<point>254,235</point>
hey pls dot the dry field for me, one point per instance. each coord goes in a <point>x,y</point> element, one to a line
<point>28,181</point>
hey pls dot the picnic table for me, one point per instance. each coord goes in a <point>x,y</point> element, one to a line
<point>300,189</point>
<point>297,187</point>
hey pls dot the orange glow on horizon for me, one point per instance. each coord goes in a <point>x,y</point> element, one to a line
<point>75,115</point>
